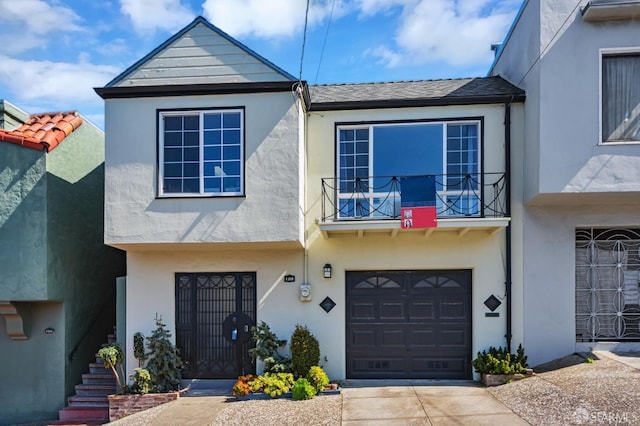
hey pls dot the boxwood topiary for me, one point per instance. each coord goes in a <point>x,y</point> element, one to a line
<point>305,351</point>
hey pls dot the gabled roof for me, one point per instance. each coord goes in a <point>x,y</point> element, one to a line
<point>480,90</point>
<point>129,72</point>
<point>43,132</point>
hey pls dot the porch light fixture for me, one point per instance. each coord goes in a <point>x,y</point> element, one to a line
<point>327,270</point>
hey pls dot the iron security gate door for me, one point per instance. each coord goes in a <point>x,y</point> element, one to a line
<point>409,324</point>
<point>214,315</point>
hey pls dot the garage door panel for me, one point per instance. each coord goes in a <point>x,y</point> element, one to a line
<point>421,311</point>
<point>449,309</point>
<point>392,310</point>
<point>409,324</point>
<point>363,311</point>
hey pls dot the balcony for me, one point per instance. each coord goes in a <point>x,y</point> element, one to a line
<point>464,203</point>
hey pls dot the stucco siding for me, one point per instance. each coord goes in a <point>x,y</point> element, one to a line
<point>564,150</point>
<point>270,209</point>
<point>549,274</point>
<point>23,223</point>
<point>33,370</point>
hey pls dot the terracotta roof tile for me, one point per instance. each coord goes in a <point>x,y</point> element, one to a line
<point>43,131</point>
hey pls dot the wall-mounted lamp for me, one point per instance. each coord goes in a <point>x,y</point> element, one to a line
<point>327,270</point>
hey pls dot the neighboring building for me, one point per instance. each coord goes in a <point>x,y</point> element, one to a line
<point>57,289</point>
<point>579,63</point>
<point>234,188</point>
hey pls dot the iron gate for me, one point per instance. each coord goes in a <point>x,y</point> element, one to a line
<point>607,285</point>
<point>205,304</point>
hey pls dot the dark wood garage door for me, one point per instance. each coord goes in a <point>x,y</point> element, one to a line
<point>409,324</point>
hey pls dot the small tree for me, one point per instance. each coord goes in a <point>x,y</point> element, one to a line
<point>112,357</point>
<point>305,351</point>
<point>164,359</point>
<point>138,348</point>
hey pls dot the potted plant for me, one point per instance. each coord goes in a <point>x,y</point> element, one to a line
<point>497,366</point>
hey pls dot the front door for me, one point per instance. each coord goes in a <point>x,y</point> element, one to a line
<point>214,315</point>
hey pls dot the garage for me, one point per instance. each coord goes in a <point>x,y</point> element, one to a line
<point>408,324</point>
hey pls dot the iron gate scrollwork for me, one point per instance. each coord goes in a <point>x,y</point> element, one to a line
<point>203,302</point>
<point>607,285</point>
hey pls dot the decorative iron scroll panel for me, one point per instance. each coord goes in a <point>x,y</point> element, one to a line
<point>607,285</point>
<point>203,302</point>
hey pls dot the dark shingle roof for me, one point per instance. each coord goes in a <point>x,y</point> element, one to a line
<point>480,90</point>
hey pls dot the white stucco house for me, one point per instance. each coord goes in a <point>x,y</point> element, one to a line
<point>579,63</point>
<point>241,194</point>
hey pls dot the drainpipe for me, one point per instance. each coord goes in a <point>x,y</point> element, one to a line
<point>507,169</point>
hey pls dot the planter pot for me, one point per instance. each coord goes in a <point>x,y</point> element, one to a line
<point>501,379</point>
<point>125,405</point>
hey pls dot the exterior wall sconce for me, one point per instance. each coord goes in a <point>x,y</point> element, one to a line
<point>327,270</point>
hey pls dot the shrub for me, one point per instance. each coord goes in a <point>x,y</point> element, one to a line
<point>164,359</point>
<point>500,361</point>
<point>302,389</point>
<point>243,386</point>
<point>305,351</point>
<point>317,378</point>
<point>272,384</point>
<point>141,381</point>
<point>267,344</point>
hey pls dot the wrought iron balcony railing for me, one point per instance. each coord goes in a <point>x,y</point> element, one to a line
<point>379,197</point>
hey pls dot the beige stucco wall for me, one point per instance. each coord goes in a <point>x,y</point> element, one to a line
<point>270,209</point>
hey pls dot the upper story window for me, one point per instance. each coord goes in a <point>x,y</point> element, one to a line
<point>201,153</point>
<point>371,157</point>
<point>621,97</point>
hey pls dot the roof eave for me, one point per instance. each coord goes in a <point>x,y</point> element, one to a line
<point>194,89</point>
<point>412,103</point>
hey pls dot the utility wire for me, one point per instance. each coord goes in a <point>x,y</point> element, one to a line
<point>324,42</point>
<point>304,38</point>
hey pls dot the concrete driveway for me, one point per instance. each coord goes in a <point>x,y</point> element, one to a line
<point>426,402</point>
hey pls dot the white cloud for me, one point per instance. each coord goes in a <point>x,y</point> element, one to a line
<point>458,32</point>
<point>269,19</point>
<point>150,15</point>
<point>26,23</point>
<point>54,83</point>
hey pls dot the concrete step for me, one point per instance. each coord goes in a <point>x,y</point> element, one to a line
<point>84,413</point>
<point>88,401</point>
<point>95,390</point>
<point>102,378</point>
<point>98,368</point>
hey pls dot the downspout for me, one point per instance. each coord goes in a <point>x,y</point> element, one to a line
<point>507,170</point>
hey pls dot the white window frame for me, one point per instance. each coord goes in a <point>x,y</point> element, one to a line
<point>370,126</point>
<point>602,53</point>
<point>201,113</point>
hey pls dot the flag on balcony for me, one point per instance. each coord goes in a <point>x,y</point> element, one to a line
<point>418,202</point>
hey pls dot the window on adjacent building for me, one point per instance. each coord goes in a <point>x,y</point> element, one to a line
<point>621,97</point>
<point>201,153</point>
<point>371,159</point>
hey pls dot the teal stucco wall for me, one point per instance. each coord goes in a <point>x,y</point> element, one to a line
<point>51,242</point>
<point>23,224</point>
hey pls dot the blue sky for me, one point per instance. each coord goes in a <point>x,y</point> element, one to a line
<point>54,52</point>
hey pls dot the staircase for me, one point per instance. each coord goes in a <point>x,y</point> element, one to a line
<point>90,405</point>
